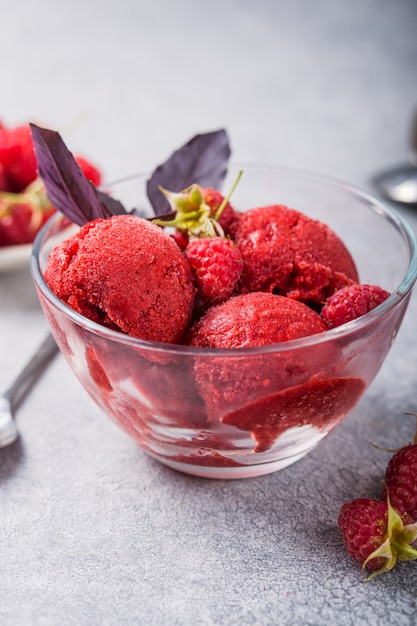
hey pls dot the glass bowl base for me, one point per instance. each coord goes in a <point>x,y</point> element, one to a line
<point>227,473</point>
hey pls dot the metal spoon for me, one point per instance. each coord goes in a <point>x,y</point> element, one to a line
<point>400,184</point>
<point>11,397</point>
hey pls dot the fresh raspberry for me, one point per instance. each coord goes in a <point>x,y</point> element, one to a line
<point>4,182</point>
<point>352,302</point>
<point>20,222</point>
<point>376,535</point>
<point>199,212</point>
<point>17,155</point>
<point>181,239</point>
<point>24,206</point>
<point>217,265</point>
<point>214,200</point>
<point>18,163</point>
<point>401,480</point>
<point>22,214</point>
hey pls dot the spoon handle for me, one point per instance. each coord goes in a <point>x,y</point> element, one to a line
<point>32,370</point>
<point>10,398</point>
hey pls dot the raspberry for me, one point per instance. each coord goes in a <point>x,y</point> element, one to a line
<point>21,219</point>
<point>17,155</point>
<point>214,200</point>
<point>181,239</point>
<point>4,182</point>
<point>24,206</point>
<point>18,163</point>
<point>352,302</point>
<point>217,265</point>
<point>200,211</point>
<point>401,480</point>
<point>376,535</point>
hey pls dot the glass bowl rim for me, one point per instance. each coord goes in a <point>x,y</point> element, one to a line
<point>384,209</point>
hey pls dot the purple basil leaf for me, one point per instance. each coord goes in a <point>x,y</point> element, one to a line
<point>114,207</point>
<point>66,185</point>
<point>202,160</point>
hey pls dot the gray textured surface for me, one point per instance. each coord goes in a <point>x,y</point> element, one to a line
<point>93,531</point>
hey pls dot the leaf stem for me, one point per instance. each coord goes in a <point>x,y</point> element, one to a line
<point>227,198</point>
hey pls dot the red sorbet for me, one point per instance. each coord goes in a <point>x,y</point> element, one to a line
<point>291,254</point>
<point>255,319</point>
<point>127,274</point>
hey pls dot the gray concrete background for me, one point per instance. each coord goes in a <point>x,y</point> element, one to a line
<point>92,530</point>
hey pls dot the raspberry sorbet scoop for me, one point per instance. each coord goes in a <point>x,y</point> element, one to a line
<point>291,254</point>
<point>255,319</point>
<point>127,274</point>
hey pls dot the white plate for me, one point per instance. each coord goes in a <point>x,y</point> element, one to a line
<point>14,257</point>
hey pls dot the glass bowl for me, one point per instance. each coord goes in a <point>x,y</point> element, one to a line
<point>244,412</point>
